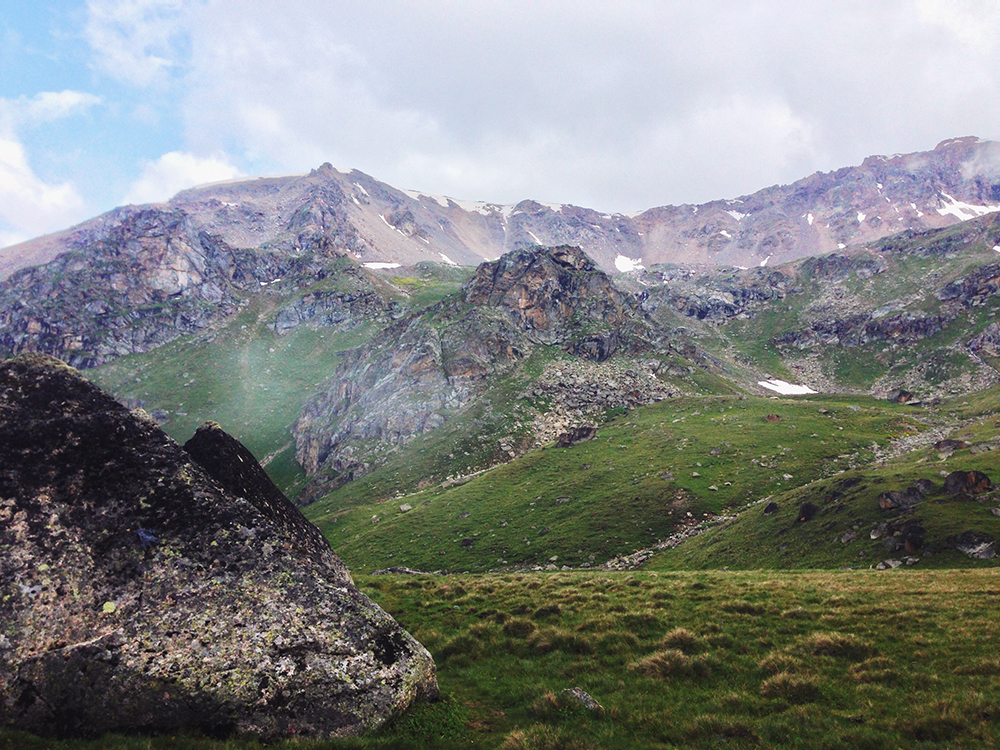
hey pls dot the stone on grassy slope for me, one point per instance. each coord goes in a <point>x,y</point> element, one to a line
<point>966,483</point>
<point>138,594</point>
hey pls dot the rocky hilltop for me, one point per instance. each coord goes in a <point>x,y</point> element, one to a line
<point>915,310</point>
<point>329,211</point>
<point>140,594</point>
<point>415,375</point>
<point>152,274</point>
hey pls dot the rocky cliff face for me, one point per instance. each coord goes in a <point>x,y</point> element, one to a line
<point>413,376</point>
<point>558,296</point>
<point>712,295</point>
<point>152,275</point>
<point>139,594</point>
<point>349,213</point>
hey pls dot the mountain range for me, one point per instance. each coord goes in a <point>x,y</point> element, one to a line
<point>762,410</point>
<point>367,342</point>
<point>351,213</point>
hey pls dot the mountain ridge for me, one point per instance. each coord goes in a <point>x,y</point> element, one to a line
<point>355,214</point>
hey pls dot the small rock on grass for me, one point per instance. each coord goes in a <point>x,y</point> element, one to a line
<point>578,695</point>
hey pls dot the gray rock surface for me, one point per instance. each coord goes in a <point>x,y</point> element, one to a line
<point>139,594</point>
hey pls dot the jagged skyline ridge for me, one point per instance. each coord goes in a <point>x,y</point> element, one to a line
<point>645,104</point>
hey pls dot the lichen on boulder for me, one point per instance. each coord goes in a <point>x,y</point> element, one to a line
<point>139,594</point>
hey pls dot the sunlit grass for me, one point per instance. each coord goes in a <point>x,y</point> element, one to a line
<point>797,660</point>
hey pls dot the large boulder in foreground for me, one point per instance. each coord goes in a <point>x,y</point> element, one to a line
<point>137,593</point>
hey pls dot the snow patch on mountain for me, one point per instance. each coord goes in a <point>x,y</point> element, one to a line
<point>626,264</point>
<point>785,389</point>
<point>963,211</point>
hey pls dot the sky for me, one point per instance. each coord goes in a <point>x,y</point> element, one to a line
<point>615,106</point>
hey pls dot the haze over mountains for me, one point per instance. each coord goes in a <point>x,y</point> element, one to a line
<point>351,213</point>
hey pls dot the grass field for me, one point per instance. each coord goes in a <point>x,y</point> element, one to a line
<point>646,472</point>
<point>686,660</point>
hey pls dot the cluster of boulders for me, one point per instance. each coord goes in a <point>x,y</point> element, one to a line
<point>905,532</point>
<point>573,394</point>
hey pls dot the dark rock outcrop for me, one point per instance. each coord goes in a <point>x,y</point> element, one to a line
<point>807,512</point>
<point>577,435</point>
<point>966,483</point>
<point>713,296</point>
<point>976,544</point>
<point>987,342</point>
<point>900,396</point>
<point>416,374</point>
<point>138,594</point>
<point>853,331</point>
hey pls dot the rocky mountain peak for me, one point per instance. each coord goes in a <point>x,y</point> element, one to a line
<point>415,375</point>
<point>548,291</point>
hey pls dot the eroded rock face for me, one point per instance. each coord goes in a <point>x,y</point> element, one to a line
<point>148,275</point>
<point>547,292</point>
<point>139,594</point>
<point>416,374</point>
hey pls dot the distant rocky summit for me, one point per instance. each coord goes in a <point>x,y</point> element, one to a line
<point>140,594</point>
<point>413,376</point>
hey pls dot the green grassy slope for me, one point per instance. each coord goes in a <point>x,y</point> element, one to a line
<point>644,474</point>
<point>848,509</point>
<point>248,379</point>
<point>251,380</point>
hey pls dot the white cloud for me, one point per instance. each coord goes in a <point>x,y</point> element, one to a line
<point>137,41</point>
<point>176,171</point>
<point>43,107</point>
<point>973,23</point>
<point>619,107</point>
<point>29,206</point>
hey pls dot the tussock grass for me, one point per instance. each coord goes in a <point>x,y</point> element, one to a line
<point>781,662</point>
<point>877,669</point>
<point>683,640</point>
<point>838,645</point>
<point>542,737</point>
<point>984,666</point>
<point>691,674</point>
<point>794,688</point>
<point>672,662</point>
